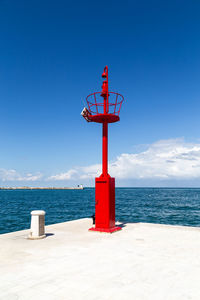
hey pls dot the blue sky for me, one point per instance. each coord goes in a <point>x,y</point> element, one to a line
<point>52,54</point>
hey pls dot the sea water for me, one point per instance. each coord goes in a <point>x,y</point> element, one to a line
<point>152,205</point>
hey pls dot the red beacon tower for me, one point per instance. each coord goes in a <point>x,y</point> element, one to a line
<point>104,107</point>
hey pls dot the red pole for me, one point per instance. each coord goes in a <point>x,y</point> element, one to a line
<point>105,149</point>
<point>105,128</point>
<point>107,105</point>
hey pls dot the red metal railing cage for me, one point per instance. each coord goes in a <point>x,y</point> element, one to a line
<point>96,103</point>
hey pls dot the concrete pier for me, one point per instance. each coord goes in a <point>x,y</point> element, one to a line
<point>140,262</point>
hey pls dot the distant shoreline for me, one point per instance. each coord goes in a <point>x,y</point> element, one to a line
<point>42,188</point>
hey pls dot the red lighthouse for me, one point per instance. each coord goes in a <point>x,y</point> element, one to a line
<point>104,107</point>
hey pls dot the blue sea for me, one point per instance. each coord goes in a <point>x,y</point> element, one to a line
<point>153,205</point>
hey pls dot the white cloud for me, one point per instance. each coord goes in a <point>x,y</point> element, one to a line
<point>90,171</point>
<point>63,176</point>
<point>172,159</point>
<point>165,159</point>
<point>13,175</point>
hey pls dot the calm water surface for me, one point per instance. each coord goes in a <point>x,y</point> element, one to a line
<point>153,205</point>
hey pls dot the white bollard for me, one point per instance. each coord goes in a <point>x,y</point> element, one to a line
<point>37,225</point>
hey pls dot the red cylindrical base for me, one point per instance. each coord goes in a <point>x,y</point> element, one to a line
<point>105,205</point>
